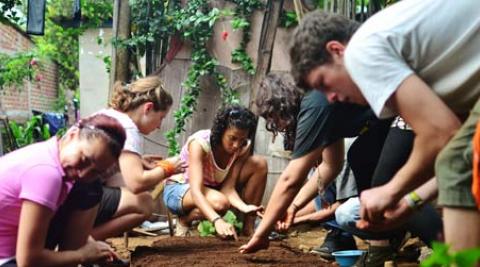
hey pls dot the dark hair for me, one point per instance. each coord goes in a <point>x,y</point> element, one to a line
<point>279,97</point>
<point>106,127</point>
<point>307,50</point>
<point>232,116</point>
<point>127,97</point>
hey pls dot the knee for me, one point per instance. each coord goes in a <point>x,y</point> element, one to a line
<point>145,204</point>
<point>220,204</point>
<point>346,214</point>
<point>260,166</point>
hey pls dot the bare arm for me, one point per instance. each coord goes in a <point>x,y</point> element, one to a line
<point>195,174</point>
<point>32,233</point>
<point>136,177</point>
<point>293,176</point>
<point>326,172</point>
<point>434,124</point>
<point>320,215</point>
<point>228,187</point>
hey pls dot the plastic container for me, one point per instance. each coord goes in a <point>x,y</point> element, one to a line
<point>347,258</point>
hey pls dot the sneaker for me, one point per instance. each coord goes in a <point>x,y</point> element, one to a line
<point>378,255</point>
<point>335,240</point>
<point>182,230</point>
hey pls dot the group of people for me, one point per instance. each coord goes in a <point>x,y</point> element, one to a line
<point>405,84</point>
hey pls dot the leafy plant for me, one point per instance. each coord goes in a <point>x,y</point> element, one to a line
<point>241,57</point>
<point>32,131</point>
<point>442,256</point>
<point>206,228</point>
<point>8,11</point>
<point>15,69</point>
<point>241,21</point>
<point>288,19</point>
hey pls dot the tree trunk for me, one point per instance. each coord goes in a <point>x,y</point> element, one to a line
<point>121,31</point>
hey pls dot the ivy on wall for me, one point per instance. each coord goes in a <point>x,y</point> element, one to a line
<point>242,21</point>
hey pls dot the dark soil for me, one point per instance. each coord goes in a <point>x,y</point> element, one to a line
<point>202,251</point>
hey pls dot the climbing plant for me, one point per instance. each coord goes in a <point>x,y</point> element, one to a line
<point>195,23</point>
<point>242,21</point>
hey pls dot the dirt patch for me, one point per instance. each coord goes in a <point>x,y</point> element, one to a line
<point>201,251</point>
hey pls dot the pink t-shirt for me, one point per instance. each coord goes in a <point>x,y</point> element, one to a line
<point>33,173</point>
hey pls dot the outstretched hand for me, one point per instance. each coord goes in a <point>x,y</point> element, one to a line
<point>255,244</point>
<point>252,209</point>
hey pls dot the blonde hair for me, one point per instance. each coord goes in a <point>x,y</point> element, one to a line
<point>127,97</point>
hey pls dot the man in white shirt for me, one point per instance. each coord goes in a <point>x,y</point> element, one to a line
<point>420,60</point>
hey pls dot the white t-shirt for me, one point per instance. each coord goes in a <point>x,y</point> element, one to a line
<point>437,40</point>
<point>133,142</point>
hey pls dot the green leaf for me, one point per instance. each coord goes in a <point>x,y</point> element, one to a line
<point>467,258</point>
<point>206,228</point>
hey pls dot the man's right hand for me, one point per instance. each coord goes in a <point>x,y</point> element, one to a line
<point>287,221</point>
<point>97,251</point>
<point>255,244</point>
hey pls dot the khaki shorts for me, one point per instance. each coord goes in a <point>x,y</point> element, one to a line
<point>453,166</point>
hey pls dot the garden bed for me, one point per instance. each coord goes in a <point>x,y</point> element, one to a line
<point>211,251</point>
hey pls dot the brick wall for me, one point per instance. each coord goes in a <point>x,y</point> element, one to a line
<point>39,95</point>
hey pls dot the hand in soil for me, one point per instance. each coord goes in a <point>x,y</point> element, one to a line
<point>374,202</point>
<point>255,244</point>
<point>97,251</point>
<point>393,218</point>
<point>225,230</point>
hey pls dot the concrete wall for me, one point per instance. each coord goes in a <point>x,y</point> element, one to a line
<point>94,79</point>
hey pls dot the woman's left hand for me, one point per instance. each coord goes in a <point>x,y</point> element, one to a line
<point>179,165</point>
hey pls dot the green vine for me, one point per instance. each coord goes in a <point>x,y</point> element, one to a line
<point>288,19</point>
<point>241,21</point>
<point>195,24</point>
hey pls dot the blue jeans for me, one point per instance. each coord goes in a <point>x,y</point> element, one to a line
<point>173,194</point>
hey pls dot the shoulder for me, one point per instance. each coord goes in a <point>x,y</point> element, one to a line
<point>200,138</point>
<point>122,118</point>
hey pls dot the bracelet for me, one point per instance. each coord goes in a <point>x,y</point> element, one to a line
<point>413,200</point>
<point>167,167</point>
<point>216,219</point>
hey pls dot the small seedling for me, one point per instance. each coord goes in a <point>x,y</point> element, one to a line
<point>206,228</point>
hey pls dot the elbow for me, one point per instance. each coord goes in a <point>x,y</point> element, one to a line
<point>290,182</point>
<point>27,260</point>
<point>136,189</point>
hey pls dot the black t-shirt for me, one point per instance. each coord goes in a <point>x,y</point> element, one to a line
<point>321,123</point>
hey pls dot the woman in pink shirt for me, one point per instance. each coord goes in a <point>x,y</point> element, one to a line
<point>35,181</point>
<point>220,162</point>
